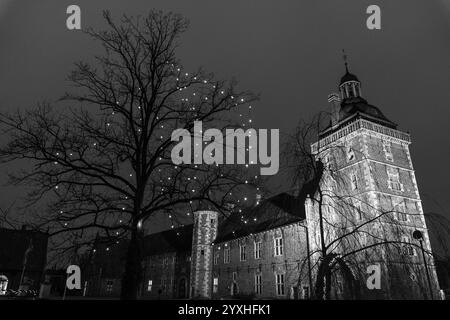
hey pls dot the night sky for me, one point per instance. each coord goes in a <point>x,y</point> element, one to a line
<point>290,52</point>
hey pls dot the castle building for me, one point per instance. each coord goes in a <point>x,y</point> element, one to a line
<point>166,265</point>
<point>355,230</point>
<point>262,253</point>
<point>369,201</point>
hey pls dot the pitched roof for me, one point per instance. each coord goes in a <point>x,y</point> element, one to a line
<point>360,106</point>
<point>274,212</point>
<point>174,240</point>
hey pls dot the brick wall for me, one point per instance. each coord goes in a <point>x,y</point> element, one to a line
<point>291,263</point>
<point>376,157</point>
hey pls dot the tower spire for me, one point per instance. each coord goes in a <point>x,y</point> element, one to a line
<point>344,56</point>
<point>350,87</point>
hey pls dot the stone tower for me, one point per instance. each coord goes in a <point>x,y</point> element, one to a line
<point>205,231</point>
<point>368,167</point>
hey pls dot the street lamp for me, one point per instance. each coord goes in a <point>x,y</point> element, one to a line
<point>418,236</point>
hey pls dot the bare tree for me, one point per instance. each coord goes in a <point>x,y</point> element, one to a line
<point>347,232</point>
<point>101,161</point>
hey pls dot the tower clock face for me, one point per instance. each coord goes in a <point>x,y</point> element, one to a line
<point>224,150</point>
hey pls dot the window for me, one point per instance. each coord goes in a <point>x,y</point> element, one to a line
<point>149,285</point>
<point>400,209</point>
<point>215,285</point>
<point>279,279</point>
<point>165,261</point>
<point>226,255</point>
<point>242,249</point>
<point>305,292</point>
<point>387,151</point>
<point>216,258</point>
<point>4,284</point>
<point>408,249</point>
<point>109,285</point>
<point>258,245</point>
<point>258,283</point>
<point>213,221</point>
<point>350,154</point>
<point>354,180</point>
<point>394,179</point>
<point>358,210</point>
<point>278,246</point>
<point>202,252</point>
<point>234,276</point>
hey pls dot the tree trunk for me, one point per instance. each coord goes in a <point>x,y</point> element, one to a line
<point>132,276</point>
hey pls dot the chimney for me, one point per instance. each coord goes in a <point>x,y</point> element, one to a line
<point>335,104</point>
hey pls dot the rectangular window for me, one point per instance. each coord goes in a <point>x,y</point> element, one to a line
<point>226,255</point>
<point>109,285</point>
<point>387,151</point>
<point>305,293</point>
<point>400,210</point>
<point>258,245</point>
<point>354,180</point>
<point>234,276</point>
<point>258,284</point>
<point>149,285</point>
<point>242,249</point>
<point>279,281</point>
<point>358,210</point>
<point>408,249</point>
<point>394,180</point>
<point>215,285</point>
<point>278,246</point>
<point>216,258</point>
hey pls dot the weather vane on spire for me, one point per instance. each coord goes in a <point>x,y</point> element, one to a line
<point>344,55</point>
